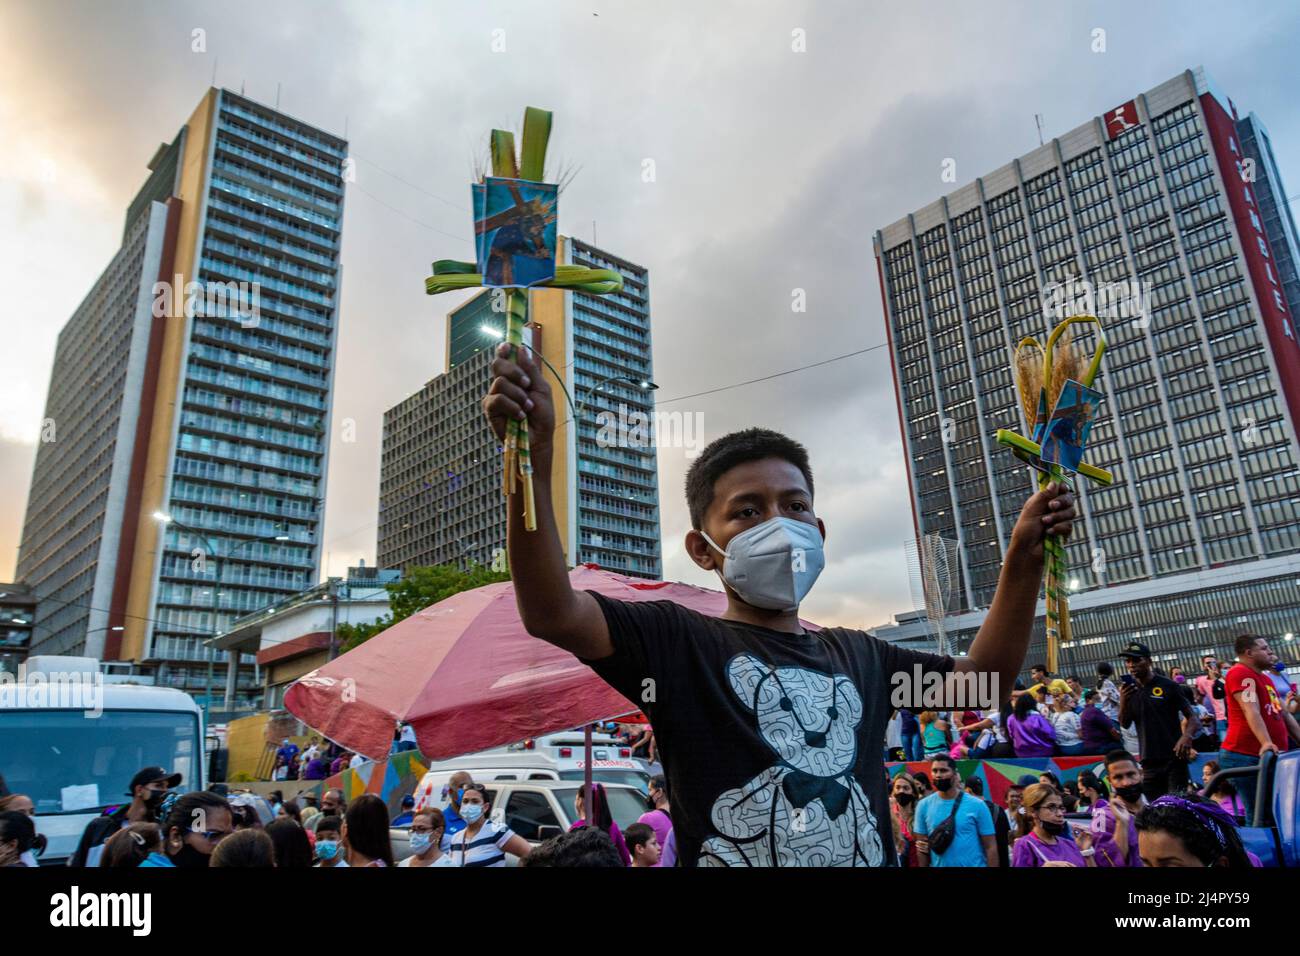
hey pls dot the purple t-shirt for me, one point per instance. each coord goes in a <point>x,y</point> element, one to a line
<point>662,824</point>
<point>1094,728</point>
<point>1031,851</point>
<point>1103,838</point>
<point>1033,736</point>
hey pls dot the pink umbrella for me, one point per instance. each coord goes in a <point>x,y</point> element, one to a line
<point>467,676</point>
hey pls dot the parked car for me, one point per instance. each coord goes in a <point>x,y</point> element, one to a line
<point>484,768</point>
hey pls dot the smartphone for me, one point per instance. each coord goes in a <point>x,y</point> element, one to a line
<point>1128,679</point>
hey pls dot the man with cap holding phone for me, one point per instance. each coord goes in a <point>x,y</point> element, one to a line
<point>148,789</point>
<point>1157,706</point>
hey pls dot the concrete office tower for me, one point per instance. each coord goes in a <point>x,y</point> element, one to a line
<point>1144,209</point>
<point>440,498</point>
<point>182,480</point>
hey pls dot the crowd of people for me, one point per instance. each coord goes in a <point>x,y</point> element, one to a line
<point>941,821</point>
<point>1145,812</point>
<point>1149,726</point>
<point>1237,710</point>
<point>162,827</point>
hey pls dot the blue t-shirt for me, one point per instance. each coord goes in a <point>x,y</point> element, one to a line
<point>453,824</point>
<point>973,822</point>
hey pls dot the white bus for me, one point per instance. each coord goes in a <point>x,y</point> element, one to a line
<point>71,739</point>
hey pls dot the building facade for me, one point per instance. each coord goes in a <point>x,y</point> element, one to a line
<point>1143,217</point>
<point>300,633</point>
<point>17,616</point>
<point>191,397</point>
<point>440,477</point>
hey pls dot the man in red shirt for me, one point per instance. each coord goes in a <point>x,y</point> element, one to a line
<point>1257,721</point>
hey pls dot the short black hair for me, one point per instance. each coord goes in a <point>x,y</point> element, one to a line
<point>333,824</point>
<point>1244,643</point>
<point>976,786</point>
<point>1104,669</point>
<point>725,453</point>
<point>583,847</point>
<point>1039,667</point>
<point>637,834</point>
<point>944,758</point>
<point>1119,756</point>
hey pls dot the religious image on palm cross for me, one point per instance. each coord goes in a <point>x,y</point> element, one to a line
<point>1067,429</point>
<point>514,231</point>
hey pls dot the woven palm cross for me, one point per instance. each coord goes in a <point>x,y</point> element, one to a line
<point>1039,384</point>
<point>530,217</point>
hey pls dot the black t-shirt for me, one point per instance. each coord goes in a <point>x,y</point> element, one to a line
<point>1159,710</point>
<point>771,742</point>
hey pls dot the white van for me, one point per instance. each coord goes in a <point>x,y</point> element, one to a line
<point>611,760</point>
<point>484,768</point>
<point>72,739</point>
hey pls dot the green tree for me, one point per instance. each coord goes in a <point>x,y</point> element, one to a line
<point>419,588</point>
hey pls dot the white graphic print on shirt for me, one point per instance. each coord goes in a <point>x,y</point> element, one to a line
<point>807,809</point>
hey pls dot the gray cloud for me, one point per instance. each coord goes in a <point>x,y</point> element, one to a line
<point>773,169</point>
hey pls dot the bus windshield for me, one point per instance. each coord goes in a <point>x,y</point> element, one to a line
<point>68,762</point>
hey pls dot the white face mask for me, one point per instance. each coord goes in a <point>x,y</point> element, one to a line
<point>773,565</point>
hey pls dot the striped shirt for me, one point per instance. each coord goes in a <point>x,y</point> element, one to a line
<point>484,848</point>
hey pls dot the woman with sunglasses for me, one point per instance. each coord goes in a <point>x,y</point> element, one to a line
<point>193,827</point>
<point>1044,837</point>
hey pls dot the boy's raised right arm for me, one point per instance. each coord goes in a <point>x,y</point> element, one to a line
<point>549,606</point>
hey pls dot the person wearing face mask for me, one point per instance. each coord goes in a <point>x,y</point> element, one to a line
<point>1113,835</point>
<point>752,698</point>
<point>147,791</point>
<point>1042,840</point>
<point>659,816</point>
<point>902,813</point>
<point>483,842</point>
<point>21,803</point>
<point>452,793</point>
<point>973,841</point>
<point>196,823</point>
<point>426,840</point>
<point>328,845</point>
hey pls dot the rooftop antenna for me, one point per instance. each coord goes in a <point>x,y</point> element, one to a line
<point>277,96</point>
<point>593,232</point>
<point>214,71</point>
<point>241,87</point>
<point>1038,121</point>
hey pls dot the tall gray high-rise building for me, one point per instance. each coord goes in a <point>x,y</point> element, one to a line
<point>1145,209</point>
<point>189,405</point>
<point>440,499</point>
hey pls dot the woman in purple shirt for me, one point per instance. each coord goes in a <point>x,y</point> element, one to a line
<point>1043,840</point>
<point>1031,733</point>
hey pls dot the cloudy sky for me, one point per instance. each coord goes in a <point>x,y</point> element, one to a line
<point>773,167</point>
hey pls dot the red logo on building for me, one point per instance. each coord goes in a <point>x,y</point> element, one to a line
<point>1121,119</point>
